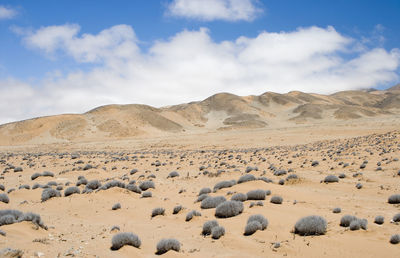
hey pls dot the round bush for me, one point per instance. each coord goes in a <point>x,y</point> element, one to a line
<point>394,199</point>
<point>395,239</point>
<point>241,197</point>
<point>173,174</point>
<point>49,193</point>
<point>133,188</point>
<point>276,199</point>
<point>217,232</point>
<point>71,190</point>
<point>192,214</point>
<point>208,226</point>
<point>212,202</point>
<point>379,220</point>
<point>331,179</point>
<point>311,225</point>
<point>93,184</point>
<point>359,185</point>
<point>205,190</point>
<point>157,211</point>
<point>35,175</point>
<point>4,198</point>
<point>260,218</point>
<point>252,227</point>
<point>346,220</point>
<point>256,195</point>
<point>122,239</point>
<point>246,178</point>
<point>396,218</point>
<point>168,244</point>
<point>229,209</point>
<point>116,206</point>
<point>147,194</point>
<point>146,185</point>
<point>224,184</point>
<point>337,210</point>
<point>177,209</point>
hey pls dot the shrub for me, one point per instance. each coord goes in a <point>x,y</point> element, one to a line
<point>18,169</point>
<point>228,209</point>
<point>252,227</point>
<point>81,181</point>
<point>13,216</point>
<point>52,183</point>
<point>147,194</point>
<point>24,187</point>
<point>4,198</point>
<point>208,226</point>
<point>36,186</point>
<point>121,239</point>
<point>133,171</point>
<point>212,202</point>
<point>157,211</point>
<point>173,174</point>
<point>71,190</point>
<point>346,220</point>
<point>35,175</point>
<point>93,184</point>
<point>394,199</point>
<point>311,225</point>
<point>241,197</point>
<point>168,244</point>
<point>266,180</point>
<point>256,195</point>
<point>260,218</point>
<point>331,179</point>
<point>224,184</point>
<point>396,218</point>
<point>48,173</point>
<point>201,197</point>
<point>276,199</point>
<point>49,193</point>
<point>111,184</point>
<point>337,210</point>
<point>116,206</point>
<point>359,185</point>
<point>246,178</point>
<point>355,225</point>
<point>115,228</point>
<point>379,220</point>
<point>204,190</point>
<point>280,172</point>
<point>146,185</point>
<point>192,214</point>
<point>217,232</point>
<point>395,239</point>
<point>281,181</point>
<point>259,203</point>
<point>177,209</point>
<point>292,177</point>
<point>342,175</point>
<point>59,187</point>
<point>133,188</point>
<point>7,220</point>
<point>2,187</point>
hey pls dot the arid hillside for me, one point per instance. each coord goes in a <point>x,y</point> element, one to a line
<point>219,112</point>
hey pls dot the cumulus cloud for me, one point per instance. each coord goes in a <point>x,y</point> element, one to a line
<point>209,10</point>
<point>7,13</point>
<point>191,66</point>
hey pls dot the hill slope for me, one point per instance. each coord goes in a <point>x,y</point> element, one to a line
<point>222,111</point>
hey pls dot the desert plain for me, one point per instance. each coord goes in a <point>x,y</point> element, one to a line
<point>282,144</point>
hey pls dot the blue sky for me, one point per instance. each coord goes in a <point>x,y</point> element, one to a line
<point>174,51</point>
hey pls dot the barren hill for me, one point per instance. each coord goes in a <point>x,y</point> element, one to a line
<point>222,111</point>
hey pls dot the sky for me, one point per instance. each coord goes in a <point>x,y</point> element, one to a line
<point>70,56</point>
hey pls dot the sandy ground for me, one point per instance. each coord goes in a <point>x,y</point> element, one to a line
<point>80,225</point>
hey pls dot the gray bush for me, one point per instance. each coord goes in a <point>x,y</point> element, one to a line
<point>395,239</point>
<point>331,179</point>
<point>116,206</point>
<point>168,244</point>
<point>133,171</point>
<point>133,188</point>
<point>224,184</point>
<point>280,172</point>
<point>4,198</point>
<point>310,225</point>
<point>2,188</point>
<point>49,193</point>
<point>241,197</point>
<point>177,209</point>
<point>379,220</point>
<point>93,184</point>
<point>342,175</point>
<point>14,216</point>
<point>292,177</point>
<point>266,180</point>
<point>112,184</point>
<point>355,225</point>
<point>157,211</point>
<point>260,218</point>
<point>246,178</point>
<point>256,195</point>
<point>204,190</point>
<point>337,210</point>
<point>192,214</point>
<point>71,190</point>
<point>147,185</point>
<point>217,232</point>
<point>228,209</point>
<point>212,202</point>
<point>276,199</point>
<point>201,197</point>
<point>81,181</point>
<point>394,199</point>
<point>208,226</point>
<point>35,175</point>
<point>173,174</point>
<point>396,218</point>
<point>252,227</point>
<point>346,220</point>
<point>359,185</point>
<point>147,194</point>
<point>48,173</point>
<point>121,239</point>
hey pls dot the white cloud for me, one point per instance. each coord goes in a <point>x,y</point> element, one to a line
<point>191,66</point>
<point>7,13</point>
<point>209,10</point>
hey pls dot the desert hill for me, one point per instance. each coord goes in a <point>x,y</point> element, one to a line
<point>223,111</point>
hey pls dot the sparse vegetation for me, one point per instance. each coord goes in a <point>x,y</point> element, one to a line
<point>311,225</point>
<point>121,239</point>
<point>228,209</point>
<point>166,245</point>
